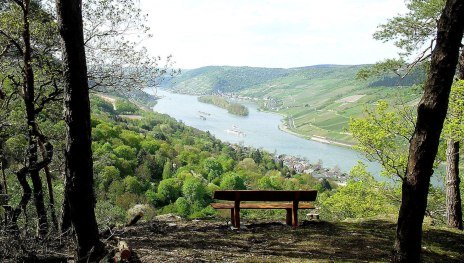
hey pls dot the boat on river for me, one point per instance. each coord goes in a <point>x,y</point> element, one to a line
<point>234,130</point>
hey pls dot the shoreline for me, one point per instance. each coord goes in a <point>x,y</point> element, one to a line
<point>317,138</point>
<point>283,127</point>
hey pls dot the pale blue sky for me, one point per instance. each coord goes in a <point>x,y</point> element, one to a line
<point>269,33</point>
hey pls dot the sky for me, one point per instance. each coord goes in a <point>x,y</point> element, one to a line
<point>269,33</point>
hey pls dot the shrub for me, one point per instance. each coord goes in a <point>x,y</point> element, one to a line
<point>183,207</point>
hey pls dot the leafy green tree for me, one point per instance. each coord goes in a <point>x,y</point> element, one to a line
<point>384,135</point>
<point>133,185</point>
<point>125,107</point>
<point>213,168</point>
<point>194,190</point>
<point>150,146</point>
<point>414,33</point>
<point>131,138</point>
<point>453,131</point>
<point>183,206</point>
<point>271,182</point>
<point>169,190</point>
<point>232,181</point>
<point>126,152</point>
<point>362,197</point>
<point>107,176</point>
<point>248,164</point>
<point>431,114</point>
<point>167,173</point>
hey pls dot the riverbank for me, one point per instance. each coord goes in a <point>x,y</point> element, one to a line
<point>283,127</point>
<point>261,129</point>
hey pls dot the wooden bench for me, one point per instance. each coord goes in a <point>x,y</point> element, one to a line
<point>265,199</point>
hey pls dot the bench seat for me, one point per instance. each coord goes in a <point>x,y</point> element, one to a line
<point>265,205</point>
<point>264,199</point>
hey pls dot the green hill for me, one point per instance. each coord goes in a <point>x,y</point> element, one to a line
<point>317,100</point>
<point>212,79</point>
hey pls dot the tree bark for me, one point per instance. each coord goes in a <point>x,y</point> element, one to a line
<point>65,216</point>
<point>48,176</point>
<point>28,92</point>
<point>78,154</point>
<point>423,148</point>
<point>453,193</point>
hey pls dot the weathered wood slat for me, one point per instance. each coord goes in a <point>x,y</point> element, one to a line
<point>265,195</point>
<point>273,200</point>
<point>262,205</point>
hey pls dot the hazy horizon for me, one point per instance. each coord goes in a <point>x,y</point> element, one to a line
<point>269,33</point>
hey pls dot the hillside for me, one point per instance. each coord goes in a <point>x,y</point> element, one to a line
<point>318,100</point>
<point>212,79</point>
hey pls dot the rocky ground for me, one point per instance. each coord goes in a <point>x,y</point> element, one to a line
<point>171,239</point>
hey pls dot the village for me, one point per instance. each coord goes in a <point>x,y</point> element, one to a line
<point>302,165</point>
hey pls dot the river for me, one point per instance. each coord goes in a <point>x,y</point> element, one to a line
<point>261,130</point>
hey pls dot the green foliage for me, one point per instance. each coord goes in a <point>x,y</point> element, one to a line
<point>413,29</point>
<point>99,104</point>
<point>125,152</point>
<point>454,122</point>
<point>195,192</point>
<point>107,175</point>
<point>387,66</point>
<point>213,169</point>
<point>125,107</point>
<point>183,206</point>
<point>167,170</point>
<point>383,136</point>
<point>271,182</point>
<point>172,167</point>
<point>131,138</point>
<point>233,108</point>
<point>224,78</point>
<point>150,146</point>
<point>232,181</point>
<point>362,197</point>
<point>133,185</point>
<point>169,190</point>
<point>315,99</point>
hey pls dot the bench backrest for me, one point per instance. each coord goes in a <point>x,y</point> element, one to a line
<point>265,195</point>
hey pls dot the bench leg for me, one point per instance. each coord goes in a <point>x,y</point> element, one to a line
<point>237,214</point>
<point>232,217</point>
<point>289,216</point>
<point>295,213</point>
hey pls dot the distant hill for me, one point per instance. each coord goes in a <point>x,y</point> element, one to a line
<point>318,100</point>
<point>212,79</point>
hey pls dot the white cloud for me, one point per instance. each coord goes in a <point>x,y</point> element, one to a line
<point>271,33</point>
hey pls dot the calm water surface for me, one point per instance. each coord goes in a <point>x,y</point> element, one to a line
<point>260,129</point>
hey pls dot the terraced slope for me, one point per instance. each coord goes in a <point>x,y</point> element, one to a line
<point>317,100</point>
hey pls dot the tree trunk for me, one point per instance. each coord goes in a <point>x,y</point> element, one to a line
<point>423,148</point>
<point>29,96</point>
<point>48,176</point>
<point>78,154</point>
<point>453,193</point>
<point>65,216</point>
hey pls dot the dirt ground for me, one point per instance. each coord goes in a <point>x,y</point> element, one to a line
<point>174,240</point>
<point>171,239</point>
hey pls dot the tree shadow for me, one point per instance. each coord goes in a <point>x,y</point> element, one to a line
<point>314,240</point>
